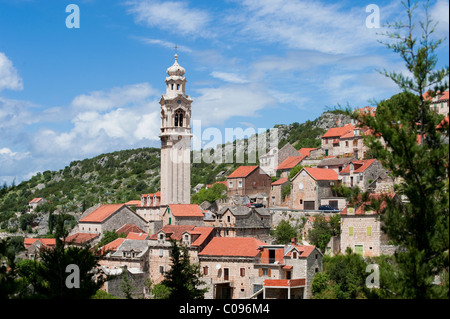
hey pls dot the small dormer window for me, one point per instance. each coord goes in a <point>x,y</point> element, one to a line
<point>294,255</point>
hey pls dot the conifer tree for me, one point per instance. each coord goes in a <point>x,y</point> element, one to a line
<point>415,152</point>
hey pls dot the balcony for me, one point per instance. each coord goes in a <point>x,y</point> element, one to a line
<point>283,283</point>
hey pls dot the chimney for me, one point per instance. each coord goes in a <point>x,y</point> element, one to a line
<point>293,240</point>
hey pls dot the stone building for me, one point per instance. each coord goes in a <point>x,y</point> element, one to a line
<point>335,163</point>
<point>276,197</point>
<point>361,229</point>
<point>310,185</point>
<point>236,268</point>
<point>195,238</point>
<point>109,218</point>
<point>249,181</point>
<point>243,221</point>
<point>439,103</point>
<point>182,214</point>
<point>331,139</point>
<point>227,264</point>
<point>149,207</point>
<point>35,202</point>
<point>288,270</point>
<point>274,157</point>
<point>361,173</point>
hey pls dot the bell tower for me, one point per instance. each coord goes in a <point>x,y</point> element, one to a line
<point>175,138</point>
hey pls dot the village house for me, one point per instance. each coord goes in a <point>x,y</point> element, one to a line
<point>109,218</point>
<point>270,160</point>
<point>182,214</point>
<point>237,267</point>
<point>287,165</point>
<point>276,194</point>
<point>227,265</point>
<point>335,163</point>
<point>310,185</point>
<point>33,246</point>
<point>439,103</point>
<point>243,221</point>
<point>331,139</point>
<point>288,270</point>
<point>361,229</point>
<point>249,181</point>
<point>361,173</point>
<point>35,202</point>
<point>125,257</point>
<point>194,237</point>
<point>149,207</point>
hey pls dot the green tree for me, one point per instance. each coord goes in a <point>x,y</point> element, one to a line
<point>183,278</point>
<point>414,151</point>
<point>284,232</point>
<point>215,192</point>
<point>8,285</point>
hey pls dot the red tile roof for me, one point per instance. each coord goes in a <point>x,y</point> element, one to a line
<point>80,238</point>
<point>281,181</point>
<point>128,228</point>
<point>232,246</point>
<point>203,233</point>
<point>186,210</point>
<point>444,96</point>
<point>173,231</point>
<point>101,213</point>
<point>137,236</point>
<point>338,131</point>
<point>306,151</point>
<point>35,200</point>
<point>359,166</point>
<point>290,162</point>
<point>112,246</point>
<point>133,203</point>
<point>49,242</point>
<point>242,171</point>
<point>322,174</point>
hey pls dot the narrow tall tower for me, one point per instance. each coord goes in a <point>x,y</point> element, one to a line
<point>175,139</point>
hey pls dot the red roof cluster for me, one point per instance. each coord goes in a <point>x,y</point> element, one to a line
<point>338,131</point>
<point>101,213</point>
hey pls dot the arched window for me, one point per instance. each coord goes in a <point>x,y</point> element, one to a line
<point>179,118</point>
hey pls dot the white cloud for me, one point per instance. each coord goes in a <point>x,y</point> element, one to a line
<point>228,77</point>
<point>217,105</point>
<point>309,25</point>
<point>165,44</point>
<point>173,16</point>
<point>114,98</point>
<point>9,77</point>
<point>440,13</point>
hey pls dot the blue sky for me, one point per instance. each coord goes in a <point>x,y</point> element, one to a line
<point>69,94</point>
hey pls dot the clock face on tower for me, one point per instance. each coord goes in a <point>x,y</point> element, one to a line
<point>179,101</point>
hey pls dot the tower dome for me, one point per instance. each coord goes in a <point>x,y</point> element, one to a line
<point>176,69</point>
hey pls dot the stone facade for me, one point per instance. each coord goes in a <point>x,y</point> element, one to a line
<point>361,173</point>
<point>276,199</point>
<point>307,191</point>
<point>252,184</point>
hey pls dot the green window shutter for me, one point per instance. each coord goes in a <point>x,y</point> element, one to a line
<point>170,220</point>
<point>369,231</point>
<point>350,231</point>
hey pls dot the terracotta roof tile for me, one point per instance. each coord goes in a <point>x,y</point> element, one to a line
<point>359,166</point>
<point>101,213</point>
<point>281,181</point>
<point>186,210</point>
<point>338,131</point>
<point>137,236</point>
<point>306,151</point>
<point>290,162</point>
<point>322,174</point>
<point>50,242</point>
<point>242,171</point>
<point>232,246</point>
<point>128,228</point>
<point>80,238</point>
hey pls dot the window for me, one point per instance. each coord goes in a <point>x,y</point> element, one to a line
<point>161,269</point>
<point>230,184</point>
<point>205,270</point>
<point>350,231</point>
<point>178,87</point>
<point>369,231</point>
<point>172,86</point>
<point>242,271</point>
<point>226,274</point>
<point>294,255</point>
<point>240,184</point>
<point>228,219</point>
<point>178,118</point>
<point>161,252</point>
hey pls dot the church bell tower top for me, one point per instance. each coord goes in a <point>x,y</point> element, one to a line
<point>176,69</point>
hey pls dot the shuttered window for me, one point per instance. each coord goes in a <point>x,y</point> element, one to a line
<point>350,231</point>
<point>369,231</point>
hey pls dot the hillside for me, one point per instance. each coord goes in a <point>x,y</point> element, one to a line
<point>123,175</point>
